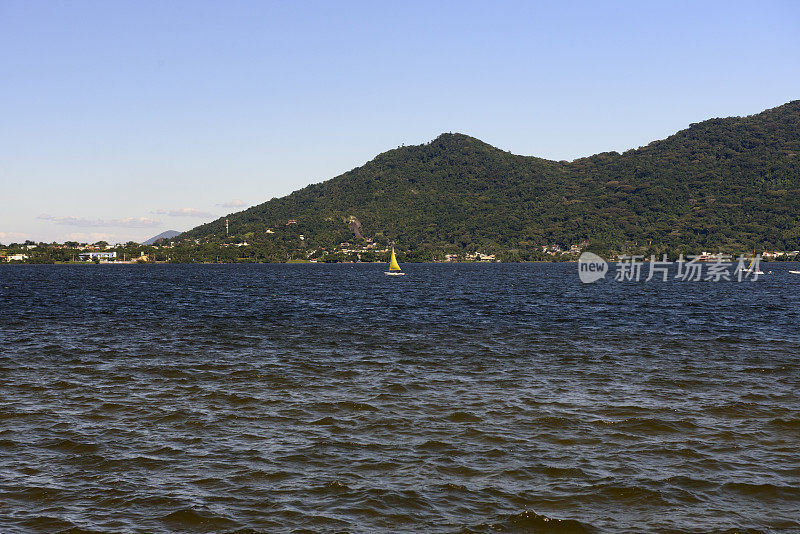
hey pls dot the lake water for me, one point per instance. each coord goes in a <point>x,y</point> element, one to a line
<point>333,398</point>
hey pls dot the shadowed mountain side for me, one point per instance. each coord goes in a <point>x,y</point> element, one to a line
<point>169,234</point>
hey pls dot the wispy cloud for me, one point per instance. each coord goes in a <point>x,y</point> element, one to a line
<point>183,212</point>
<point>233,204</point>
<point>128,222</point>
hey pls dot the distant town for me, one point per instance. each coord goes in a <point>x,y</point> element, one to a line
<point>167,251</point>
<point>102,252</point>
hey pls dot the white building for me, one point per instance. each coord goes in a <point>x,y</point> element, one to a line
<point>89,256</point>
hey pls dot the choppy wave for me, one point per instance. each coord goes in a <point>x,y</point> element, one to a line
<point>469,398</point>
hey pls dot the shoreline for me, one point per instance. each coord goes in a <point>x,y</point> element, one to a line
<point>151,263</point>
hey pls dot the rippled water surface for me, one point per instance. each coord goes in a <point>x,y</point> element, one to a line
<point>332,398</point>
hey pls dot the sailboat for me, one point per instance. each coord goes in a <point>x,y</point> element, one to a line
<point>750,269</point>
<point>394,268</point>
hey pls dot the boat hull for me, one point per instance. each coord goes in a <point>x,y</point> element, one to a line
<point>392,273</point>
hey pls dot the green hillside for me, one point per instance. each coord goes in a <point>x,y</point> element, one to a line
<point>723,184</point>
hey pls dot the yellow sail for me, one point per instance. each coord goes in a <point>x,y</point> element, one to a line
<point>393,266</point>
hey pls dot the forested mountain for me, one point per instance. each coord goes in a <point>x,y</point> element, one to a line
<point>723,184</point>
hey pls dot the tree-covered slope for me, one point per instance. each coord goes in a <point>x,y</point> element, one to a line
<point>731,184</point>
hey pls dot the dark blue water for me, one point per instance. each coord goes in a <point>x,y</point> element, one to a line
<point>332,398</point>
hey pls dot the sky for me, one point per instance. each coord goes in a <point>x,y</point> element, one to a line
<point>119,120</point>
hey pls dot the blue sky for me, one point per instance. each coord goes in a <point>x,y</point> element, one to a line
<point>119,120</point>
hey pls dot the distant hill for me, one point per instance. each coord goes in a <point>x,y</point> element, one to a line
<point>730,184</point>
<point>169,234</point>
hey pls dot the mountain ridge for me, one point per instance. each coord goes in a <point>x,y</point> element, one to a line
<point>722,183</point>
